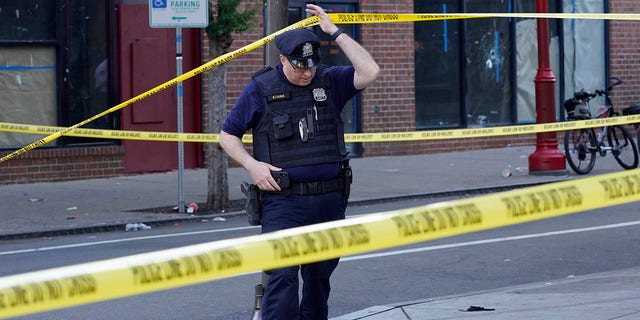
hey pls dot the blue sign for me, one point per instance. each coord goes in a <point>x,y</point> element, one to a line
<point>159,4</point>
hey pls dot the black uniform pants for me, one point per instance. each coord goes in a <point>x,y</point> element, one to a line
<point>281,300</point>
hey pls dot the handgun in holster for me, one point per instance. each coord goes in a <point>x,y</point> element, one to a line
<point>347,179</point>
<point>253,204</point>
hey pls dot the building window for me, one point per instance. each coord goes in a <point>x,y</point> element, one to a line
<point>584,46</point>
<point>53,66</point>
<point>28,85</point>
<point>480,72</point>
<point>488,71</point>
<point>89,66</point>
<point>438,69</point>
<point>27,90</point>
<point>28,20</point>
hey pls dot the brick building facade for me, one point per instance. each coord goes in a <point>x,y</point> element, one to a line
<point>388,105</point>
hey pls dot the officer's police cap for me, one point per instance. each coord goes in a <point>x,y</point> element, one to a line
<point>301,47</point>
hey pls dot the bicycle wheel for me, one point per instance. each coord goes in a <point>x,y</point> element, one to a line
<point>624,149</point>
<point>579,148</point>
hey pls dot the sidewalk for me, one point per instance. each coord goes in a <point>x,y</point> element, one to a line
<point>84,206</point>
<point>610,295</point>
<point>39,209</point>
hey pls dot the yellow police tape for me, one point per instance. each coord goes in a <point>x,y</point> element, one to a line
<point>363,18</point>
<point>115,278</point>
<point>339,18</point>
<point>349,137</point>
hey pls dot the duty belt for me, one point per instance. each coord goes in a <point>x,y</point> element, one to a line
<point>315,187</point>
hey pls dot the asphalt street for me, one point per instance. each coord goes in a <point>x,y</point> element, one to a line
<point>541,252</point>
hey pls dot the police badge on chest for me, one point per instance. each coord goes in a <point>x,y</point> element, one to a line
<point>319,94</point>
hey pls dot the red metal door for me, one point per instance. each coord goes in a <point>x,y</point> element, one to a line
<point>147,59</point>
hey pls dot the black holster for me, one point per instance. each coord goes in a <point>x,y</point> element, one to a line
<point>347,178</point>
<point>253,204</point>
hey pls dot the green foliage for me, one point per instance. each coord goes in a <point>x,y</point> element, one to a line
<point>228,21</point>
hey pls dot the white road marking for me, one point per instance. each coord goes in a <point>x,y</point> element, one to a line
<point>494,240</point>
<point>95,243</point>
<point>348,258</point>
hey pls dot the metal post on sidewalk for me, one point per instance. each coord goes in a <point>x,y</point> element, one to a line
<point>181,206</point>
<point>547,159</point>
<point>179,14</point>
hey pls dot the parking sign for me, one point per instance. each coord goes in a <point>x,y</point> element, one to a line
<point>178,13</point>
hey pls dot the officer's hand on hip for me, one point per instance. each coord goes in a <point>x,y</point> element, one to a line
<point>261,174</point>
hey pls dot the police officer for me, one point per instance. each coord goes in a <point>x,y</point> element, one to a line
<point>299,157</point>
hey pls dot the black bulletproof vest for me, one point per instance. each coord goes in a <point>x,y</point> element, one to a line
<point>299,125</point>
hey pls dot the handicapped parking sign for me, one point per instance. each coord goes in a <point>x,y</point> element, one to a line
<point>178,14</point>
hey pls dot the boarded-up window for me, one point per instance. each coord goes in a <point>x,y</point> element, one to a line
<point>27,90</point>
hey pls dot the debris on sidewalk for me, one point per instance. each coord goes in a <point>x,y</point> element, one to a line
<point>477,308</point>
<point>136,226</point>
<point>192,208</point>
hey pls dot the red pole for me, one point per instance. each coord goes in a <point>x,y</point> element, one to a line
<point>546,160</point>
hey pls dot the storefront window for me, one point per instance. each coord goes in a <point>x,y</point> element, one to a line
<point>53,66</point>
<point>527,59</point>
<point>27,91</point>
<point>88,72</point>
<point>584,49</point>
<point>27,67</point>
<point>491,81</point>
<point>23,20</point>
<point>473,54</point>
<point>488,56</point>
<point>437,60</point>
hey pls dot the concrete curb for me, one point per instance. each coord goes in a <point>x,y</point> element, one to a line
<point>111,227</point>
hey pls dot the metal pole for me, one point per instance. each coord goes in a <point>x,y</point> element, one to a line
<point>276,19</point>
<point>181,205</point>
<point>547,159</point>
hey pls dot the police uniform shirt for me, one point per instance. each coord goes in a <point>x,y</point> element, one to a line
<point>247,110</point>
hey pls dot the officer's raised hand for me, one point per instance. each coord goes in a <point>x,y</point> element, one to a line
<point>325,23</point>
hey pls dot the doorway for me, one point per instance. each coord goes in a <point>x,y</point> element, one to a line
<point>147,59</point>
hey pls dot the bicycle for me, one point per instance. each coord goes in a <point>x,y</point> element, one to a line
<point>581,145</point>
<point>634,109</point>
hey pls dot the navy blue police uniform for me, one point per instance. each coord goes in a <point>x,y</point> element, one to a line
<point>298,129</point>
